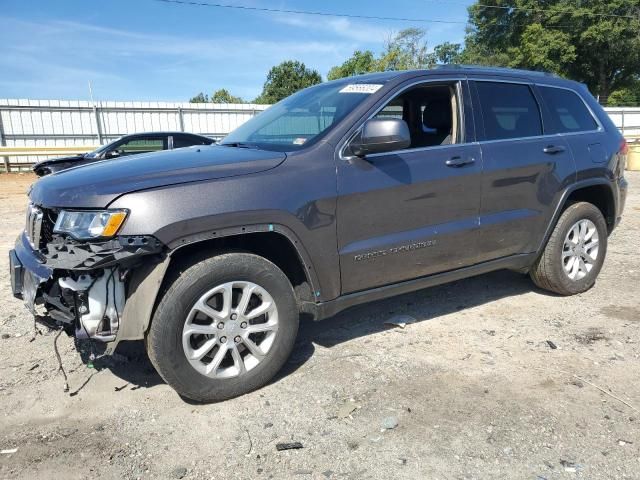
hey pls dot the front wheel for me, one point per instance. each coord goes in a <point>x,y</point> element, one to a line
<point>224,327</point>
<point>574,253</point>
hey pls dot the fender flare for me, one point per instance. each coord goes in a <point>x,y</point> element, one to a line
<point>146,282</point>
<point>562,202</point>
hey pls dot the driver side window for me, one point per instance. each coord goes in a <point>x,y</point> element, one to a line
<point>431,113</point>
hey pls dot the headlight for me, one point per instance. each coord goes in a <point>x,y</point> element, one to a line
<point>90,224</point>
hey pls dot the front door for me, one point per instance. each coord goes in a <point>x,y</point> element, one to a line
<point>413,212</point>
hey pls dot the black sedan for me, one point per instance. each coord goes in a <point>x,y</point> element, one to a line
<point>127,145</point>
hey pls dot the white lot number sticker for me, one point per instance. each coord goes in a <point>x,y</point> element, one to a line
<point>361,88</point>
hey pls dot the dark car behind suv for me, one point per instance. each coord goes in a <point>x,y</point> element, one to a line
<point>346,192</point>
<point>132,144</point>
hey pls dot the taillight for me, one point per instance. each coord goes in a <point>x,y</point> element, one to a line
<point>624,147</point>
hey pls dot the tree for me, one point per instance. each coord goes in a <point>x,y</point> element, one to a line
<point>360,62</point>
<point>223,96</point>
<point>405,51</point>
<point>446,53</point>
<point>626,96</point>
<point>591,41</point>
<point>286,79</point>
<point>200,98</point>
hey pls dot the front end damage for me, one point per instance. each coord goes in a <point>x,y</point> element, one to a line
<point>102,290</point>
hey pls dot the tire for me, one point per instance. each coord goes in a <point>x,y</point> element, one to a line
<point>553,270</point>
<point>169,339</point>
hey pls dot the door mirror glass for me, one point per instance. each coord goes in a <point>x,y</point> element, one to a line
<point>379,135</point>
<point>112,154</point>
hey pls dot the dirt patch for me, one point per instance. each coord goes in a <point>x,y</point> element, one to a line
<point>590,336</point>
<point>622,312</point>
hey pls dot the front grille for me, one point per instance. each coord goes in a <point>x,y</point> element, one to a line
<point>48,222</point>
<point>39,227</point>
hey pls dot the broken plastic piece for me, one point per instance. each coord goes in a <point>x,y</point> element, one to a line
<point>288,446</point>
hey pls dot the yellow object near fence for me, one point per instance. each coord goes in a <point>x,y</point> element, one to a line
<point>633,157</point>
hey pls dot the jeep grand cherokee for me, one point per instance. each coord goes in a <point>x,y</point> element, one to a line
<point>345,192</point>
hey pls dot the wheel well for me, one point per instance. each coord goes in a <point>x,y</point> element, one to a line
<point>598,195</point>
<point>273,246</point>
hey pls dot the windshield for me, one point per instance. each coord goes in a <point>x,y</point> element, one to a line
<point>300,119</point>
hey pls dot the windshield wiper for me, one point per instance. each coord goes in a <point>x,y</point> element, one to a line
<point>239,145</point>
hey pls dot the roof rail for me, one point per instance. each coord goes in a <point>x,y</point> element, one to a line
<point>496,69</point>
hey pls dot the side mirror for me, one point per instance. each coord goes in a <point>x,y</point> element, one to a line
<point>379,135</point>
<point>112,154</point>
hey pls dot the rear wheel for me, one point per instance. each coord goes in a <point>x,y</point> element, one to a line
<point>224,327</point>
<point>574,253</point>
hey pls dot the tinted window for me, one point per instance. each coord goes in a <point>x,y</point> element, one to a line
<point>568,111</point>
<point>181,141</point>
<point>509,111</point>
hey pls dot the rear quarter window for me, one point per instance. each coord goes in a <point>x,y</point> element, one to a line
<point>509,110</point>
<point>568,112</point>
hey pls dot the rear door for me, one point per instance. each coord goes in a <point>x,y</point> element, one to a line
<point>412,212</point>
<point>524,168</point>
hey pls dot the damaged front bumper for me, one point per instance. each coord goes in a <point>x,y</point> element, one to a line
<point>90,288</point>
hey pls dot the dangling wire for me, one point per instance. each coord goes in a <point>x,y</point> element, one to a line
<point>60,367</point>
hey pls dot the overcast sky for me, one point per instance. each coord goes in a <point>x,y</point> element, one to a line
<point>151,50</point>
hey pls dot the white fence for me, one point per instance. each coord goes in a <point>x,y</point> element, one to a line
<point>80,126</point>
<point>57,127</point>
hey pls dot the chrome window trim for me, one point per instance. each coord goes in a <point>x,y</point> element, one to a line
<point>589,109</point>
<point>457,79</point>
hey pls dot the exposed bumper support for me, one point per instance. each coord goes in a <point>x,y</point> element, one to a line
<point>103,290</point>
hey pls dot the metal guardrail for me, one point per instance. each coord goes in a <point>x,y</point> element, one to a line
<point>33,130</point>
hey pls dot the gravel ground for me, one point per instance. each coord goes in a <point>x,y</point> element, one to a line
<point>495,379</point>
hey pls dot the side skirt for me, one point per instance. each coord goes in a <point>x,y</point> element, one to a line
<point>325,310</point>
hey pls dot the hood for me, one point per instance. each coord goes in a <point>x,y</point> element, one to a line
<point>97,184</point>
<point>49,161</point>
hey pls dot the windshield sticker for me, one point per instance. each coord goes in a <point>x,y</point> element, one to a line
<point>299,141</point>
<point>361,88</point>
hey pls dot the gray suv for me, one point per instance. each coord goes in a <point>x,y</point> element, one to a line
<point>346,192</point>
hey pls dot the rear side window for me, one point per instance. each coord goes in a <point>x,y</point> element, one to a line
<point>181,141</point>
<point>568,111</point>
<point>509,110</point>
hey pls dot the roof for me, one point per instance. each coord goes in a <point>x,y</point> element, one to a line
<point>384,77</point>
<point>168,132</point>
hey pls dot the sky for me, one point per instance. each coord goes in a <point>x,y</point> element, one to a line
<point>157,51</point>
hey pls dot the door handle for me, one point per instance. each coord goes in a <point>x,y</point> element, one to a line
<point>459,161</point>
<point>553,149</point>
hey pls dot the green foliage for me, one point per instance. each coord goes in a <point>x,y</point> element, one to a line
<point>446,53</point>
<point>223,96</point>
<point>200,98</point>
<point>405,50</point>
<point>286,79</point>
<point>626,96</point>
<point>574,38</point>
<point>360,62</point>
